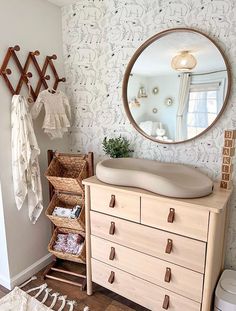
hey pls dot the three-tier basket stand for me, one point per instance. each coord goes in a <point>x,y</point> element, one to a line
<point>65,174</point>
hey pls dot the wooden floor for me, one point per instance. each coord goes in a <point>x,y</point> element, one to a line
<point>3,291</point>
<point>101,300</point>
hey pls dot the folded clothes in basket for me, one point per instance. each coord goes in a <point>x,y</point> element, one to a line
<point>71,243</point>
<point>71,213</point>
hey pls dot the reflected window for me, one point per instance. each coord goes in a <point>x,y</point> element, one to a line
<point>203,107</point>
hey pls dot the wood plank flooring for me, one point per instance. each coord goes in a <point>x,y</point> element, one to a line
<point>3,291</point>
<point>101,300</point>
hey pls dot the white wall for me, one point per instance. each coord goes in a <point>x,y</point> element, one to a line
<point>33,24</point>
<point>135,82</point>
<point>4,267</point>
<point>168,86</point>
<point>102,52</point>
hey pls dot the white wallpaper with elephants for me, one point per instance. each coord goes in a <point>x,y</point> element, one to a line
<point>100,36</point>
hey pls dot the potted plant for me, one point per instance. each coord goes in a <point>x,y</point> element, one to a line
<point>117,147</point>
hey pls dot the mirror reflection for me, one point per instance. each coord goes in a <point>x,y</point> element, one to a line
<point>177,86</point>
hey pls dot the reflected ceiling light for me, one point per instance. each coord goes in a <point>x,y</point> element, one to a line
<point>184,62</point>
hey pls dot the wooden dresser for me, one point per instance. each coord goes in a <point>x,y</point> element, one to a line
<point>162,253</point>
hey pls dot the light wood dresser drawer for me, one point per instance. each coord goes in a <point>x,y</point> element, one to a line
<point>172,277</point>
<point>182,251</point>
<point>142,292</point>
<point>115,203</point>
<point>175,218</point>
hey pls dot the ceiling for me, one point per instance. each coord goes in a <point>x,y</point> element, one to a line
<point>156,58</point>
<point>62,2</point>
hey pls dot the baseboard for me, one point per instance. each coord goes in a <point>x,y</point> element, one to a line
<point>30,271</point>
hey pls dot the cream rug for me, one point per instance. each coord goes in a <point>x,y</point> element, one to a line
<point>21,301</point>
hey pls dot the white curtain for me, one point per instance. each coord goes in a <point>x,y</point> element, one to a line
<point>185,80</point>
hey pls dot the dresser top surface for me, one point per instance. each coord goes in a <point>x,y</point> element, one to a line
<point>215,202</point>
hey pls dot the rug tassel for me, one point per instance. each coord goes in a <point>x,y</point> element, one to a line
<point>71,303</point>
<point>55,296</point>
<point>63,299</point>
<point>41,288</point>
<point>47,291</point>
<point>27,282</point>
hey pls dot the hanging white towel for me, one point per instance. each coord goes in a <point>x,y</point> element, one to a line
<point>25,166</point>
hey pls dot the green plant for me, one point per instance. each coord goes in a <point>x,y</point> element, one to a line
<point>117,147</point>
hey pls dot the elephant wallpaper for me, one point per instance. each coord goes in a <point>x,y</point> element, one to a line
<point>100,37</point>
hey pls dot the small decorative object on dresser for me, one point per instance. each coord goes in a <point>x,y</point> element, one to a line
<point>117,147</point>
<point>162,253</point>
<point>228,153</point>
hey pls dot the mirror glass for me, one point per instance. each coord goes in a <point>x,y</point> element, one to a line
<point>176,86</point>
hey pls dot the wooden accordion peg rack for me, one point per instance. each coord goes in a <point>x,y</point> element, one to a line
<point>26,75</point>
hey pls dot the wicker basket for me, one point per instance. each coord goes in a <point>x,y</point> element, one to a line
<point>66,173</point>
<point>67,201</point>
<point>81,258</point>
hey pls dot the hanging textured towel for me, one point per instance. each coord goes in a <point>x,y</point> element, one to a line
<point>25,165</point>
<point>57,112</point>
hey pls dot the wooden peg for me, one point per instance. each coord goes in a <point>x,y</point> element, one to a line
<point>28,75</point>
<point>54,57</point>
<point>62,80</point>
<point>35,53</point>
<point>15,48</point>
<point>6,71</point>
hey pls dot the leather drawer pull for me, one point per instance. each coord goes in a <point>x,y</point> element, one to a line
<point>112,201</point>
<point>168,275</point>
<point>111,277</point>
<point>112,228</point>
<point>169,246</point>
<point>171,216</point>
<point>166,302</point>
<point>112,253</point>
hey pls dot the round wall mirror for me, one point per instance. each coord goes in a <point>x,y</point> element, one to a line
<point>192,76</point>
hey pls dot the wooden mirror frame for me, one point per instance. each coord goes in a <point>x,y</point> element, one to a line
<point>135,57</point>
